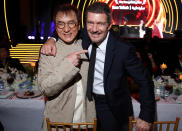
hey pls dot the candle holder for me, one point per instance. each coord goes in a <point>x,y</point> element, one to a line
<point>180,78</point>
<point>163,67</point>
<point>32,72</point>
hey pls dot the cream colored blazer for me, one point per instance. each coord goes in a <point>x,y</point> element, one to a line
<point>57,79</point>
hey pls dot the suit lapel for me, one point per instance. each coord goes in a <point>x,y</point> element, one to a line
<point>85,45</point>
<point>109,55</point>
<point>85,40</point>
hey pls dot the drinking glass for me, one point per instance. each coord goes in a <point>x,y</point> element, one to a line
<point>10,80</point>
<point>1,84</point>
<point>169,89</point>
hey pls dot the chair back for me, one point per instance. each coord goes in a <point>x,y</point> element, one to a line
<point>61,126</point>
<point>159,125</point>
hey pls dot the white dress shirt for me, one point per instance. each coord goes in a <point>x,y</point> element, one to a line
<point>98,85</point>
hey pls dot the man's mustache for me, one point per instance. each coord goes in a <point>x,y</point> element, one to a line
<point>95,33</point>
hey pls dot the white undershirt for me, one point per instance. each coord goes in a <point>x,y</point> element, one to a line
<point>98,85</point>
<point>78,110</point>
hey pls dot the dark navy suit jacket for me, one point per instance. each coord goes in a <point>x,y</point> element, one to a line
<point>121,60</point>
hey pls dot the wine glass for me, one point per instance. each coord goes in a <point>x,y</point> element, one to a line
<point>10,80</point>
<point>169,89</point>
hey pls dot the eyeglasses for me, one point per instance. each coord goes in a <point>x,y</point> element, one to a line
<point>61,25</point>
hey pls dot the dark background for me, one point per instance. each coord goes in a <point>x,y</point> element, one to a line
<point>27,17</point>
<point>33,17</point>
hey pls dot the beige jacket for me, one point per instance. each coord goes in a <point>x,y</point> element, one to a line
<point>57,79</point>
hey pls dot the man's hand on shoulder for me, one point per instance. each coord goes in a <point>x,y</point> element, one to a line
<point>142,125</point>
<point>49,48</point>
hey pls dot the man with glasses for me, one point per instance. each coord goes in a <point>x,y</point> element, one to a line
<point>62,79</point>
<point>114,60</point>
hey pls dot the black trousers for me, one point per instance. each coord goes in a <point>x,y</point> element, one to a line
<point>106,119</point>
<point>1,127</point>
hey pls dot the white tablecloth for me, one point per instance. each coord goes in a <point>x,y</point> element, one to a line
<point>21,114</point>
<point>27,114</point>
<point>165,112</point>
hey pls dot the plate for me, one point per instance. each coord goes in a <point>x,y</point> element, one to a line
<point>21,94</point>
<point>5,94</point>
<point>179,102</point>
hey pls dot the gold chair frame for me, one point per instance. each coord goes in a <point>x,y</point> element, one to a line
<point>71,126</point>
<point>160,123</point>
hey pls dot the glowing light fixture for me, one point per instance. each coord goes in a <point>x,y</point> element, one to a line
<point>5,17</point>
<point>26,53</point>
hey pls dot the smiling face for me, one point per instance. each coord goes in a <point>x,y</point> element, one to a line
<point>67,26</point>
<point>97,27</point>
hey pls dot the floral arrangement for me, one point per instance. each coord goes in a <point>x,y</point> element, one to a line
<point>15,79</point>
<point>163,80</point>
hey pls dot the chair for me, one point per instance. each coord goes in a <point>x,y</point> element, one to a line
<point>158,124</point>
<point>87,126</point>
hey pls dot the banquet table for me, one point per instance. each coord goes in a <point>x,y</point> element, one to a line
<point>27,114</point>
<point>165,112</point>
<point>21,114</point>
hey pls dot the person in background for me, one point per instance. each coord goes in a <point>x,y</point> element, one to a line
<point>114,60</point>
<point>148,61</point>
<point>178,65</point>
<point>175,67</point>
<point>6,61</point>
<point>124,29</point>
<point>141,29</point>
<point>62,79</point>
<point>157,29</point>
